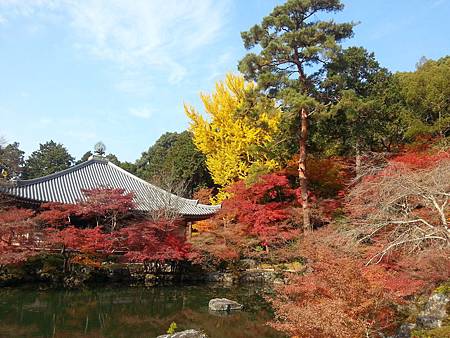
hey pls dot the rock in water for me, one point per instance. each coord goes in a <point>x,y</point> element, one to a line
<point>185,334</point>
<point>223,304</point>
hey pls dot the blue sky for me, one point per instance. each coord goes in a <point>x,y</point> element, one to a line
<point>81,71</point>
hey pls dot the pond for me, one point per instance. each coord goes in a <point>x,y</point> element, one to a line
<point>131,312</point>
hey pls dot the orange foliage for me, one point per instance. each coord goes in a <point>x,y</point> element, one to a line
<point>204,195</point>
<point>337,298</point>
<point>327,176</point>
<point>85,261</point>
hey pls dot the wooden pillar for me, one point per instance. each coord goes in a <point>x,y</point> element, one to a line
<point>188,230</point>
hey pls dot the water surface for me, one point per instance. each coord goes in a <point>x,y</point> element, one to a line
<point>130,312</point>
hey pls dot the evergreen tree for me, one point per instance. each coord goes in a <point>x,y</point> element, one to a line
<point>128,166</point>
<point>11,160</point>
<point>113,159</point>
<point>426,93</point>
<point>294,45</point>
<point>50,158</point>
<point>85,157</point>
<point>175,164</point>
<point>364,115</point>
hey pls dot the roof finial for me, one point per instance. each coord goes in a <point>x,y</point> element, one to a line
<point>99,148</point>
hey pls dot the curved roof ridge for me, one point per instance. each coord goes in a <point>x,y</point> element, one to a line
<point>145,182</point>
<point>66,186</point>
<point>58,173</point>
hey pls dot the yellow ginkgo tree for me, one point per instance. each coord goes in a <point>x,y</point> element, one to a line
<point>238,131</point>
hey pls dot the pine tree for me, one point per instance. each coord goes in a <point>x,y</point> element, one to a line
<point>294,47</point>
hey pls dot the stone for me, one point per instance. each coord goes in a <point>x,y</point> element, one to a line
<point>150,279</point>
<point>405,330</point>
<point>247,263</point>
<point>434,313</point>
<point>223,304</point>
<point>221,277</point>
<point>185,334</point>
<point>258,276</point>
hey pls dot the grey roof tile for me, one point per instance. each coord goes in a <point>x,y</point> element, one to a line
<point>66,187</point>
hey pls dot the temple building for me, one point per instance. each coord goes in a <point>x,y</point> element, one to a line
<point>67,187</point>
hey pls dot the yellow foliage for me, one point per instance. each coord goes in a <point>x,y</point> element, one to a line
<point>238,131</point>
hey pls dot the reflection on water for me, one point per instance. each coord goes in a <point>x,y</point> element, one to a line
<point>130,312</point>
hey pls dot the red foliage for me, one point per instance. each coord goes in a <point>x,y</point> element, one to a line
<point>146,241</point>
<point>327,176</point>
<point>56,214</point>
<point>17,235</point>
<point>264,208</point>
<point>426,269</point>
<point>103,201</point>
<point>104,205</point>
<point>404,205</point>
<point>220,240</point>
<point>14,215</point>
<point>398,283</point>
<point>335,299</point>
<point>419,160</point>
<point>329,208</point>
<point>79,240</point>
<point>254,222</point>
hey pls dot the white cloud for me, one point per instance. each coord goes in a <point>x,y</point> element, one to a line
<point>144,113</point>
<point>135,83</point>
<point>437,3</point>
<point>158,33</point>
<point>145,35</point>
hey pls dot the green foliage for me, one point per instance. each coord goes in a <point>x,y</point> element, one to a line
<point>130,167</point>
<point>174,163</point>
<point>113,159</point>
<point>291,41</point>
<point>426,92</point>
<point>50,158</point>
<point>294,47</point>
<point>364,114</point>
<point>11,160</point>
<point>85,157</point>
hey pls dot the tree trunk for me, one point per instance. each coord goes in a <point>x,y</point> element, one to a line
<point>302,169</point>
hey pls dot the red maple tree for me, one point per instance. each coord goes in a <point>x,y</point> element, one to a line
<point>18,238</point>
<point>153,242</point>
<point>255,220</point>
<point>106,206</point>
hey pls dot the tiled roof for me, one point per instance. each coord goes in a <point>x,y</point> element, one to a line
<point>66,187</point>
